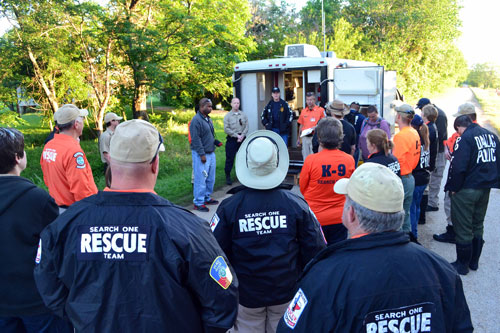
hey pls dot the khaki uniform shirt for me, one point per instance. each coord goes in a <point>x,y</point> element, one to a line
<point>104,142</point>
<point>236,123</point>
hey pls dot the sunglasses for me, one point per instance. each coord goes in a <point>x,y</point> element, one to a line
<point>160,138</point>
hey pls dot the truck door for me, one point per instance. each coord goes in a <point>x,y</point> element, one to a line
<point>364,85</point>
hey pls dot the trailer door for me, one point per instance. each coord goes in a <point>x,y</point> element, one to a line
<point>364,85</point>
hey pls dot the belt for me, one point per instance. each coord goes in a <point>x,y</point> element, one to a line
<point>64,206</point>
<point>406,176</point>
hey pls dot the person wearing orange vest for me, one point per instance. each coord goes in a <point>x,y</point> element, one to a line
<point>320,172</point>
<point>66,171</point>
<point>308,119</point>
<point>407,151</point>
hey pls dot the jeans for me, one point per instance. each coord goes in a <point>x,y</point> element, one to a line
<point>204,178</point>
<point>283,136</point>
<point>408,186</point>
<point>44,323</point>
<point>356,156</point>
<point>415,207</point>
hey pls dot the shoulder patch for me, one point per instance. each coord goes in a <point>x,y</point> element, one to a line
<point>213,223</point>
<point>80,160</point>
<point>39,252</point>
<point>295,309</point>
<point>220,272</point>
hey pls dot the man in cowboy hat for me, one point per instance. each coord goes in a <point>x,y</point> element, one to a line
<point>338,110</point>
<point>267,232</point>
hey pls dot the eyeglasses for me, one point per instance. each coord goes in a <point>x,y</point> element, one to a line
<point>160,138</point>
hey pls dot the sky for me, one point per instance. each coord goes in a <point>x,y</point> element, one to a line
<point>480,40</point>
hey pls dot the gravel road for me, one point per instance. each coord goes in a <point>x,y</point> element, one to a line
<point>482,288</point>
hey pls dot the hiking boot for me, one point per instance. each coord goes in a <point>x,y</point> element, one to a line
<point>464,254</point>
<point>211,202</point>
<point>201,208</point>
<point>431,209</point>
<point>447,237</point>
<point>477,248</point>
<point>228,180</point>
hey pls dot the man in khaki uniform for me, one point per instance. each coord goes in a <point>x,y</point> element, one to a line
<point>111,120</point>
<point>236,128</point>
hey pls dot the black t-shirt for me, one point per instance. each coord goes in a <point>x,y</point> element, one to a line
<point>349,137</point>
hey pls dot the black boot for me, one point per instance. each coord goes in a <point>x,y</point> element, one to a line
<point>464,254</point>
<point>423,208</point>
<point>228,180</point>
<point>477,248</point>
<point>447,237</point>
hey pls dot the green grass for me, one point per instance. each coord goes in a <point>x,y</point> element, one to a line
<point>490,103</point>
<point>174,179</point>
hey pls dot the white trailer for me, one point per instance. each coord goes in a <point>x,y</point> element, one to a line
<point>303,69</point>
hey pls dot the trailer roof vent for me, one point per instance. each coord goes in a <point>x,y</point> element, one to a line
<point>302,50</point>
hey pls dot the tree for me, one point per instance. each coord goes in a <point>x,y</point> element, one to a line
<point>484,75</point>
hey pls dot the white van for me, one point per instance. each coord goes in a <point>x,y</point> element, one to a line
<point>303,69</point>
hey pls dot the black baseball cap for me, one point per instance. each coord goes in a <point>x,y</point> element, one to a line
<point>423,102</point>
<point>275,89</point>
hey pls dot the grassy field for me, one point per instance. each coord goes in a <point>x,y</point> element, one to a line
<point>174,179</point>
<point>490,103</point>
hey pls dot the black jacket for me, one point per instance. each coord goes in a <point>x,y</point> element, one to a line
<point>475,162</point>
<point>134,262</point>
<point>442,128</point>
<point>389,161</point>
<point>286,117</point>
<point>25,210</point>
<point>268,236</point>
<point>378,281</point>
<point>427,162</point>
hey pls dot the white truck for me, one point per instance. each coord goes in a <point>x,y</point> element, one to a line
<point>304,69</point>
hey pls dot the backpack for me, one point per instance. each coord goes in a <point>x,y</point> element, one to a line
<point>365,122</point>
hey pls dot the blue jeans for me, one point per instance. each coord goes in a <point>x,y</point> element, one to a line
<point>283,136</point>
<point>408,186</point>
<point>415,207</point>
<point>44,323</point>
<point>204,178</point>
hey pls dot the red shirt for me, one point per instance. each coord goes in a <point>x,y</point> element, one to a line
<point>309,118</point>
<point>318,175</point>
<point>66,171</point>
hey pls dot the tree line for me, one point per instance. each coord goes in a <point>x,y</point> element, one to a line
<point>111,54</point>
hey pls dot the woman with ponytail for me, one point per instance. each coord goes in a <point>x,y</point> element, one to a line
<point>379,147</point>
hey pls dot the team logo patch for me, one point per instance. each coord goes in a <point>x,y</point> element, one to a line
<point>113,242</point>
<point>219,271</point>
<point>413,318</point>
<point>213,223</point>
<point>80,161</point>
<point>39,252</point>
<point>295,309</point>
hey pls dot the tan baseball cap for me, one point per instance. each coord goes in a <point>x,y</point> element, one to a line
<point>375,187</point>
<point>466,108</point>
<point>405,108</point>
<point>69,112</point>
<point>135,141</point>
<point>111,116</point>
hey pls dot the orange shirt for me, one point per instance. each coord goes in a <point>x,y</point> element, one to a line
<point>66,171</point>
<point>407,149</point>
<point>309,118</point>
<point>450,143</point>
<point>318,175</point>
